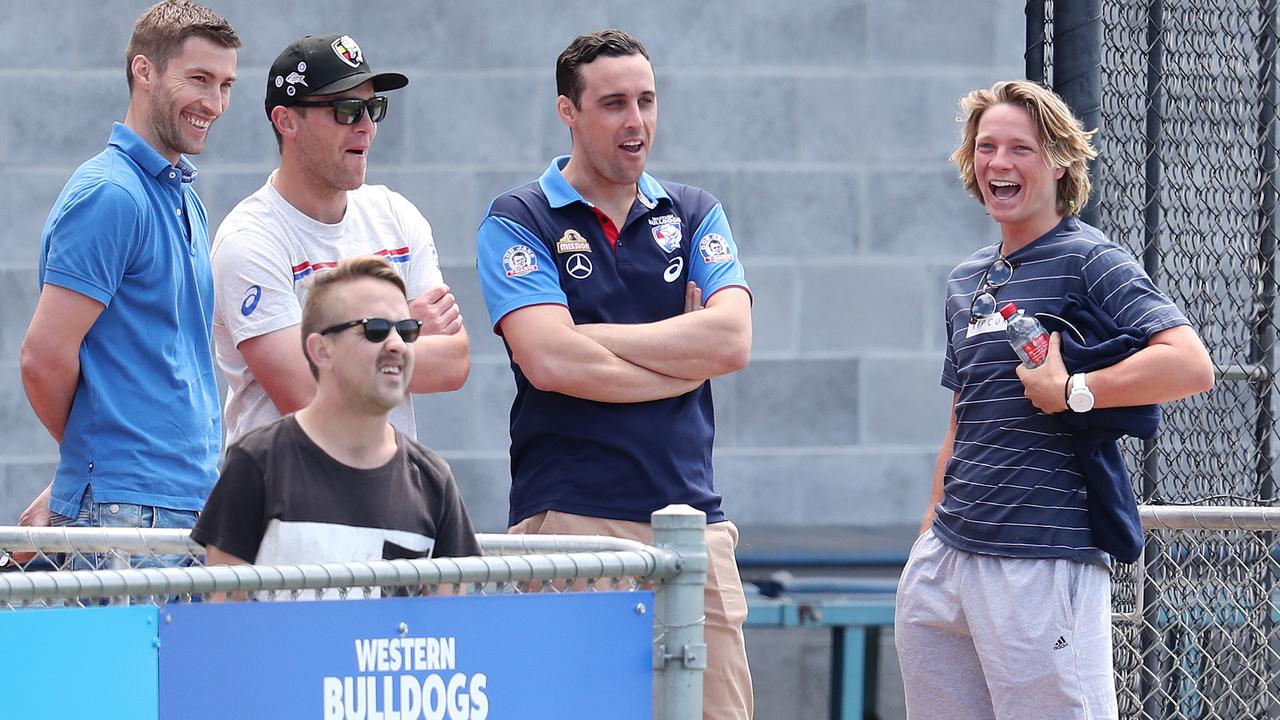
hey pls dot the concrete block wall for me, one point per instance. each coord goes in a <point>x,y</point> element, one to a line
<point>824,127</point>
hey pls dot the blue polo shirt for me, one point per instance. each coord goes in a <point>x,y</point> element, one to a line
<point>129,231</point>
<point>543,243</point>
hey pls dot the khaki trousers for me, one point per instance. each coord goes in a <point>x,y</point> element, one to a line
<point>726,684</point>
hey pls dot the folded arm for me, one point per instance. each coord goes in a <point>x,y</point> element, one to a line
<point>699,345</point>
<point>442,352</point>
<point>556,357</point>
<point>277,363</point>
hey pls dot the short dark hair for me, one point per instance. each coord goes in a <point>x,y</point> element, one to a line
<point>316,313</point>
<point>166,25</point>
<point>586,48</point>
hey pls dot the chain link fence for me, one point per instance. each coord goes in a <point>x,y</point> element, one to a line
<point>1186,180</point>
<point>1201,643</point>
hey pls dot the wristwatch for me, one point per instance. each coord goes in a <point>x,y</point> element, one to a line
<point>1079,396</point>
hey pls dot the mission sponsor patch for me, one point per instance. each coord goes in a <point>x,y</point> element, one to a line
<point>572,242</point>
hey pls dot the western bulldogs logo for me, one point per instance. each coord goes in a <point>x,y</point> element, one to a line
<point>519,260</point>
<point>667,236</point>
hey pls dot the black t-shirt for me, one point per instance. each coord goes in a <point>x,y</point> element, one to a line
<point>282,500</point>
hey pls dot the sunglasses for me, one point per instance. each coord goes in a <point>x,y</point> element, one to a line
<point>348,111</point>
<point>984,298</point>
<point>377,329</point>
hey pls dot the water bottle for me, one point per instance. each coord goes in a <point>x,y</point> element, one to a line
<point>1027,336</point>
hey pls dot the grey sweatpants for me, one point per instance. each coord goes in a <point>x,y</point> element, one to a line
<point>984,637</point>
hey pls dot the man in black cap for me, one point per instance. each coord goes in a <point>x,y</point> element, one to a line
<point>324,103</point>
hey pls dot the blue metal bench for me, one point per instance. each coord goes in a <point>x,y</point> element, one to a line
<point>854,609</point>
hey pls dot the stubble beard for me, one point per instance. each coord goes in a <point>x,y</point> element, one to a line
<point>167,127</point>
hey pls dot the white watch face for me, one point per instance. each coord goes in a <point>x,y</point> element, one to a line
<point>1080,399</point>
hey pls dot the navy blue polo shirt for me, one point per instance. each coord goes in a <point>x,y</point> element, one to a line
<point>1013,486</point>
<point>543,243</point>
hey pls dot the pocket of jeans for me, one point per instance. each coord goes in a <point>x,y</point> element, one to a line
<point>127,515</point>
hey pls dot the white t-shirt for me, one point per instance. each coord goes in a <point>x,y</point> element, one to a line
<point>265,250</point>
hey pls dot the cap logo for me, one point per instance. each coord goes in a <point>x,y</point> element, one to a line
<point>347,49</point>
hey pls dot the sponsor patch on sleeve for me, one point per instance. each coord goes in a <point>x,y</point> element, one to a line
<point>714,248</point>
<point>519,260</point>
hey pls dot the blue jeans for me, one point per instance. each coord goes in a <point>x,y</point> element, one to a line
<point>126,515</point>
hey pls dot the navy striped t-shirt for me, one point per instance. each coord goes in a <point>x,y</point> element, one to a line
<point>1013,486</point>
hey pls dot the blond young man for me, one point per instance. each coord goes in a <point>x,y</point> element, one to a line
<point>1004,605</point>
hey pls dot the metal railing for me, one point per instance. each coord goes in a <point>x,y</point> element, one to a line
<point>123,572</point>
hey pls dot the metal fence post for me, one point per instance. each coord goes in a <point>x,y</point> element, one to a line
<point>679,651</point>
<point>1077,71</point>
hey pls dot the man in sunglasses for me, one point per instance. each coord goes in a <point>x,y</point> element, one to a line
<point>336,481</point>
<point>325,105</point>
<point>1004,606</point>
<point>595,277</point>
<point>117,362</point>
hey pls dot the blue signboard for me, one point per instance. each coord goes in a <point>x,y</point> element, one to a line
<point>79,663</point>
<point>439,658</point>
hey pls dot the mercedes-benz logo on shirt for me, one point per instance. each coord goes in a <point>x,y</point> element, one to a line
<point>578,266</point>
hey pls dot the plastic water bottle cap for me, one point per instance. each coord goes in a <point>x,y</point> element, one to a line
<point>1008,310</point>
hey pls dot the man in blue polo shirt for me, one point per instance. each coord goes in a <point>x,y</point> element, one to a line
<point>118,362</point>
<point>595,276</point>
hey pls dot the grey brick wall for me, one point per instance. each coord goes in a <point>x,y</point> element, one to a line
<point>823,126</point>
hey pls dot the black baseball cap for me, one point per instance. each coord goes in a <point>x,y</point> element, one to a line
<point>323,65</point>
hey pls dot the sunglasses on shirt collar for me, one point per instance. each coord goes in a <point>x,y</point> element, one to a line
<point>348,111</point>
<point>377,329</point>
<point>996,276</point>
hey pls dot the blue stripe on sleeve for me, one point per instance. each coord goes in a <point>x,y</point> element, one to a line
<point>713,258</point>
<point>502,247</point>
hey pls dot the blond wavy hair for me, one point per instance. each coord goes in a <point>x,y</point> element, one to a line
<point>1063,140</point>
